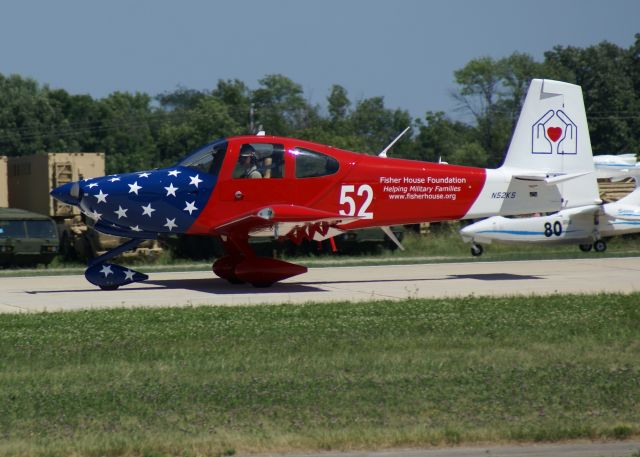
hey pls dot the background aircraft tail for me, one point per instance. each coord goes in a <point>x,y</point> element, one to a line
<point>632,199</point>
<point>551,143</point>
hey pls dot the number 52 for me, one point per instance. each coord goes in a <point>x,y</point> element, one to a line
<point>364,190</point>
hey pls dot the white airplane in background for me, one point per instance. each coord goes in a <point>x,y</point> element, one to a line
<point>616,167</point>
<point>584,225</point>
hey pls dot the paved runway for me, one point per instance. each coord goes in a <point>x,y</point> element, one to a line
<point>53,293</point>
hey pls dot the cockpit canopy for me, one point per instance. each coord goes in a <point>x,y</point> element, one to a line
<point>268,159</point>
<point>208,158</point>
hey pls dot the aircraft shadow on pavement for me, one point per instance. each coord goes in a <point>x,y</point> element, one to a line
<point>478,276</point>
<point>495,277</point>
<point>207,285</point>
<point>222,287</point>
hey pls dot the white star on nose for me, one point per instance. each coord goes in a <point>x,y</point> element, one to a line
<point>95,215</point>
<point>174,173</point>
<point>135,228</point>
<point>143,175</point>
<point>171,223</point>
<point>195,180</point>
<point>147,210</point>
<point>171,190</point>
<point>122,212</point>
<point>134,187</point>
<point>114,179</point>
<point>92,185</point>
<point>106,270</point>
<point>102,197</point>
<point>191,207</point>
<point>128,275</point>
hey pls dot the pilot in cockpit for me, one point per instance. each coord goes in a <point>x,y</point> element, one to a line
<point>249,162</point>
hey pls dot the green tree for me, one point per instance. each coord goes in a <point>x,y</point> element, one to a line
<point>605,73</point>
<point>470,153</point>
<point>280,106</point>
<point>180,99</point>
<point>480,81</point>
<point>439,138</point>
<point>338,103</point>
<point>208,120</point>
<point>27,119</point>
<point>517,72</point>
<point>493,91</point>
<point>236,96</point>
<point>378,126</point>
<point>126,135</point>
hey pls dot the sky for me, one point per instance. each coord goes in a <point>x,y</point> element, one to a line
<point>403,50</point>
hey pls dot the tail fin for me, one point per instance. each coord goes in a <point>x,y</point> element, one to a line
<point>552,138</point>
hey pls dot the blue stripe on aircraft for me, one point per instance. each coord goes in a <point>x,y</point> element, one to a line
<point>524,232</point>
<point>626,222</point>
<point>512,232</point>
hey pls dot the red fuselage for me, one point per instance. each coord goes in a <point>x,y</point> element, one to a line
<point>378,191</point>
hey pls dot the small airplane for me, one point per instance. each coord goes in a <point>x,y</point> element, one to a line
<point>257,185</point>
<point>587,226</point>
<point>616,167</point>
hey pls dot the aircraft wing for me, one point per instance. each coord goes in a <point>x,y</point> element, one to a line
<point>283,220</point>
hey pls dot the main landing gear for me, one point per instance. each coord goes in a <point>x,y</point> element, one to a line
<point>241,265</point>
<point>109,276</point>
<point>598,246</point>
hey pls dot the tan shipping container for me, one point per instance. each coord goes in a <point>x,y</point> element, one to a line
<point>31,178</point>
<point>4,185</point>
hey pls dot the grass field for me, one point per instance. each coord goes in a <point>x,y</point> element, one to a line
<point>219,381</point>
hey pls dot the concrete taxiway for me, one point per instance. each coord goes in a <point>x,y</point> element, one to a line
<point>54,293</point>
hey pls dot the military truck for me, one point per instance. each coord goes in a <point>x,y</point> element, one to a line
<point>26,238</point>
<point>31,178</point>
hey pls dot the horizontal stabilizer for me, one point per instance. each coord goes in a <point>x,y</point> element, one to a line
<point>589,210</point>
<point>550,179</point>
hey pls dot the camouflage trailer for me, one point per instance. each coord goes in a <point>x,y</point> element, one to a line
<point>4,186</point>
<point>26,238</point>
<point>31,178</point>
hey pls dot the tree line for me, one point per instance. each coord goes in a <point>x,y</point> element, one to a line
<point>141,131</point>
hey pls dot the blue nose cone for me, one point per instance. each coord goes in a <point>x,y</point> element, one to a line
<point>69,193</point>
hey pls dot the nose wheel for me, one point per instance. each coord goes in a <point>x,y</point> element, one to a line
<point>109,276</point>
<point>476,250</point>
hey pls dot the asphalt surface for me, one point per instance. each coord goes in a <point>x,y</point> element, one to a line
<point>397,282</point>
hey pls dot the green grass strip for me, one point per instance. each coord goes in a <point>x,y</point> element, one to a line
<point>219,380</point>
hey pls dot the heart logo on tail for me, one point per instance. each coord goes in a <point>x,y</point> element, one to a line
<point>554,133</point>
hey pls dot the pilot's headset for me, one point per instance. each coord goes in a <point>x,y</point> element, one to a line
<point>248,151</point>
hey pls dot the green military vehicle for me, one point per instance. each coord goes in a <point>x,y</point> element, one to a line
<point>26,238</point>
